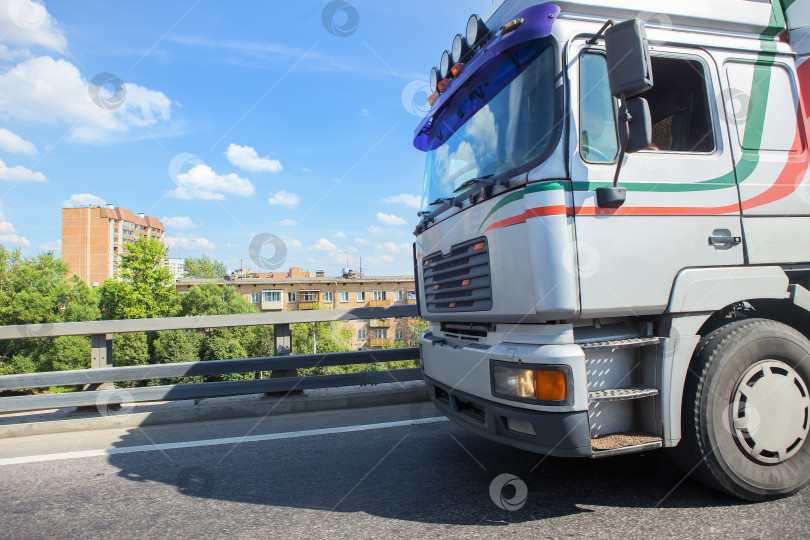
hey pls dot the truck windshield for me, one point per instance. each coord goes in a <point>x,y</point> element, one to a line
<point>514,128</point>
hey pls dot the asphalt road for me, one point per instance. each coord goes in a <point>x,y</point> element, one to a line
<point>428,480</point>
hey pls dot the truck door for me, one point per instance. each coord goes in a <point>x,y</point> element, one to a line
<point>682,207</point>
<point>769,137</point>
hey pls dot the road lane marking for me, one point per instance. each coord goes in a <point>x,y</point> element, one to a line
<point>215,442</point>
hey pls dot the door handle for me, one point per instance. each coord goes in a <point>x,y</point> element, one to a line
<point>725,240</point>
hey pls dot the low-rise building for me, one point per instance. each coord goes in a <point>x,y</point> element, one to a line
<point>306,293</point>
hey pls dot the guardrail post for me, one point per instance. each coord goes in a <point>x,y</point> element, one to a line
<point>100,357</point>
<point>283,338</point>
<point>101,353</point>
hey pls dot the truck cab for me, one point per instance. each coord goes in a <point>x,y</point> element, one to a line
<point>674,313</point>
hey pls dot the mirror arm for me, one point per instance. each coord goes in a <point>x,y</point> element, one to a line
<point>615,196</point>
<point>623,151</point>
<point>595,39</point>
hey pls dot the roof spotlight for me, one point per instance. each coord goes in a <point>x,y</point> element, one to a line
<point>434,80</point>
<point>445,65</point>
<point>460,49</point>
<point>476,30</point>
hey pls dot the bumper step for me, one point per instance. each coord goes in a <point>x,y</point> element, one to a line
<point>620,394</point>
<point>624,443</point>
<point>621,343</point>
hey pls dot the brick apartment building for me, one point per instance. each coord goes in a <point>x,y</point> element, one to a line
<point>94,237</point>
<point>298,290</point>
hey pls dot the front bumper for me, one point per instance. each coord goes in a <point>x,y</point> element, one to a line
<point>565,434</point>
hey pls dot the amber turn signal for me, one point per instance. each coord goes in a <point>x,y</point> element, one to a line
<point>479,246</point>
<point>550,385</point>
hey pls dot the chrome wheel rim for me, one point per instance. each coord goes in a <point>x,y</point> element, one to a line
<point>770,412</point>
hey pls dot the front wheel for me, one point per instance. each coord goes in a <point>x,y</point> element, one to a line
<point>746,411</point>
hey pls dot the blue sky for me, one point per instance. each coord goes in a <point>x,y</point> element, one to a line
<point>230,119</point>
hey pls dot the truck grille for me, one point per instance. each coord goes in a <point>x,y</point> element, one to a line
<point>459,281</point>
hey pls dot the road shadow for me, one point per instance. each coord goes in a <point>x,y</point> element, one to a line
<point>432,473</point>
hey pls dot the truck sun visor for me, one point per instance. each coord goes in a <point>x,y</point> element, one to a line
<point>489,72</point>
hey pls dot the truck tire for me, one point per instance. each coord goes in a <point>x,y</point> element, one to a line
<point>746,411</point>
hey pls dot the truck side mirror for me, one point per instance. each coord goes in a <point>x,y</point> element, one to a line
<point>628,59</point>
<point>630,74</point>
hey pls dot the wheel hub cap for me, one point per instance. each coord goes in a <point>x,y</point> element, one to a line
<point>770,412</point>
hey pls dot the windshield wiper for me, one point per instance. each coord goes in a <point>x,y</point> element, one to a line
<point>480,180</point>
<point>445,200</point>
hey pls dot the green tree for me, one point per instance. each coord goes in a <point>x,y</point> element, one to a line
<point>146,289</point>
<point>175,346</point>
<point>205,268</point>
<point>40,290</point>
<point>212,299</point>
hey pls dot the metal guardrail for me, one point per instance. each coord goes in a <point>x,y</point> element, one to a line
<point>282,366</point>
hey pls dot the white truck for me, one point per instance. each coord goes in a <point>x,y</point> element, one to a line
<point>614,244</point>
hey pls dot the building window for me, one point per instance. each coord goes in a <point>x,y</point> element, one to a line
<point>271,296</point>
<point>398,296</point>
<point>411,295</point>
<point>328,297</point>
<point>361,334</point>
<point>380,333</point>
<point>291,297</point>
<point>254,298</point>
<point>361,296</point>
<point>379,295</point>
<point>399,334</point>
<point>309,296</point>
<point>344,296</point>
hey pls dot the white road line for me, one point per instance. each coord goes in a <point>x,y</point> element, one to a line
<point>214,442</point>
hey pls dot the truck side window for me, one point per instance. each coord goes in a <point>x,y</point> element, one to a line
<point>597,113</point>
<point>679,105</point>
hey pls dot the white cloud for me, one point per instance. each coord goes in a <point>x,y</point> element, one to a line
<point>282,198</point>
<point>188,241</point>
<point>180,222</point>
<point>8,235</point>
<point>51,246</point>
<point>14,144</point>
<point>27,23</point>
<point>323,244</point>
<point>292,243</point>
<point>390,219</point>
<point>395,249</point>
<point>306,170</point>
<point>20,173</point>
<point>339,235</point>
<point>374,230</point>
<point>365,112</point>
<point>43,89</point>
<point>380,259</point>
<point>80,200</point>
<point>246,157</point>
<point>361,241</point>
<point>201,182</point>
<point>404,198</point>
<point>286,223</point>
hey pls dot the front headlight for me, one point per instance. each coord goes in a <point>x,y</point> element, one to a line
<point>530,383</point>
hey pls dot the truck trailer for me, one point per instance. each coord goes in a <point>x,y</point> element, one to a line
<point>613,248</point>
